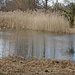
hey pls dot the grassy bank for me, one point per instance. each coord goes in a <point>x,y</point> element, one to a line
<point>35,21</point>
<point>36,67</point>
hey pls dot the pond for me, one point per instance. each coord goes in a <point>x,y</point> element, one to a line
<point>35,44</point>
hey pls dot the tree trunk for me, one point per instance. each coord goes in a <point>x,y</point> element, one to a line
<point>56,8</point>
<point>46,5</point>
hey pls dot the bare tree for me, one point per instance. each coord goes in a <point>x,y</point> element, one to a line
<point>22,4</point>
<point>32,4</point>
<point>46,6</point>
<point>70,11</point>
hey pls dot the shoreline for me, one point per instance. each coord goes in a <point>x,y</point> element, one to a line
<point>68,31</point>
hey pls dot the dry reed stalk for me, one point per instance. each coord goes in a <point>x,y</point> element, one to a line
<point>34,20</point>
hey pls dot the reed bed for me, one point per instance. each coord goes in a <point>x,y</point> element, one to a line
<point>34,21</point>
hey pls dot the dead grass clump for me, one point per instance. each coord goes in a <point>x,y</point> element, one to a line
<point>34,20</point>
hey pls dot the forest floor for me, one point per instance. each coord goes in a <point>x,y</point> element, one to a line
<point>37,67</point>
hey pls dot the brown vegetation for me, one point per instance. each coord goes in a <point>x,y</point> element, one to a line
<point>36,67</point>
<point>35,21</point>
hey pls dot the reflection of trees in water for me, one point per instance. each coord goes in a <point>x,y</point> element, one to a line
<point>32,47</point>
<point>44,46</point>
<point>21,47</point>
<point>70,50</point>
<point>36,51</point>
<point>7,45</point>
<point>40,46</point>
<point>49,50</point>
<point>54,48</point>
<point>71,45</point>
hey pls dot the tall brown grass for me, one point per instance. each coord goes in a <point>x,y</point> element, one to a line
<point>34,20</point>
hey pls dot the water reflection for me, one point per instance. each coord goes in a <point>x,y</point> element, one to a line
<point>31,44</point>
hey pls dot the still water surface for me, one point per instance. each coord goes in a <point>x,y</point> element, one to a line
<point>34,44</point>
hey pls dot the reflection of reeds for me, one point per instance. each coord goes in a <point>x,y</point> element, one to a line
<point>34,20</point>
